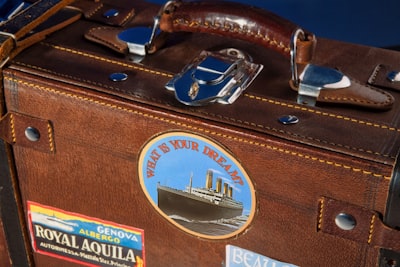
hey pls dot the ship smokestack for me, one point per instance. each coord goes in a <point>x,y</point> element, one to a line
<point>219,185</point>
<point>230,193</point>
<point>190,183</point>
<point>225,188</point>
<point>209,179</point>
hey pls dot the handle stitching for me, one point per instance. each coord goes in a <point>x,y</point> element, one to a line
<point>225,27</point>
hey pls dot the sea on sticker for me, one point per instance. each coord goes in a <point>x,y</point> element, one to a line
<point>196,183</point>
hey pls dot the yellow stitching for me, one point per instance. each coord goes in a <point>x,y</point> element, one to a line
<point>263,145</point>
<point>210,114</point>
<point>321,211</point>
<point>371,229</point>
<point>12,125</point>
<point>94,11</point>
<point>258,98</point>
<point>50,135</point>
<point>327,114</point>
<point>115,62</point>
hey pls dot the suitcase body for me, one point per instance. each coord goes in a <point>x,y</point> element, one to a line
<point>119,173</point>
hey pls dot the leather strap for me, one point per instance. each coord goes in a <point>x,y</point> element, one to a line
<point>358,95</point>
<point>20,25</point>
<point>380,77</point>
<point>13,127</point>
<point>64,17</point>
<point>97,11</point>
<point>369,228</point>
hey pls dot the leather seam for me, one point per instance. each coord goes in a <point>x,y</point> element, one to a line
<point>321,113</point>
<point>298,135</point>
<point>355,100</point>
<point>12,126</point>
<point>372,78</point>
<point>91,82</point>
<point>321,213</point>
<point>94,11</point>
<point>371,228</point>
<point>50,137</point>
<point>258,98</point>
<point>105,41</point>
<point>226,27</point>
<point>127,17</point>
<point>176,123</point>
<point>115,62</point>
<point>260,126</point>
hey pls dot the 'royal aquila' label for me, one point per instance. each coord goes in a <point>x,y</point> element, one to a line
<point>84,240</point>
<point>196,184</point>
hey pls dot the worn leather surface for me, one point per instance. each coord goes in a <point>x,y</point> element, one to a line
<point>100,126</point>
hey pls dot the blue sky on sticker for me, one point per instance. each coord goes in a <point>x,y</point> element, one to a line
<point>174,168</point>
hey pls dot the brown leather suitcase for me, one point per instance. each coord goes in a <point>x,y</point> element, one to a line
<point>199,152</point>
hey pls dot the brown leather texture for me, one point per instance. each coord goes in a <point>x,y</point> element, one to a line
<point>99,128</point>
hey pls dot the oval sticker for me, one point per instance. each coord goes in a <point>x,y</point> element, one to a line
<point>197,185</point>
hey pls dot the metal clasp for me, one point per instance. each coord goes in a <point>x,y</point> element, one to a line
<point>214,77</point>
<point>313,78</point>
<point>140,39</point>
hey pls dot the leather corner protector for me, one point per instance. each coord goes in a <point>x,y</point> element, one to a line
<point>368,226</point>
<point>26,131</point>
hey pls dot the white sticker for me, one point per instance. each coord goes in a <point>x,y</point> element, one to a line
<point>238,257</point>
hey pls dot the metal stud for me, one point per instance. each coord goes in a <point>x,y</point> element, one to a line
<point>118,77</point>
<point>111,13</point>
<point>345,221</point>
<point>394,76</point>
<point>288,119</point>
<point>32,134</point>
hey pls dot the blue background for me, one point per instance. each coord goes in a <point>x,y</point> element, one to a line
<point>369,22</point>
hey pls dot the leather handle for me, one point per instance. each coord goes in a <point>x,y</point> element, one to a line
<point>236,21</point>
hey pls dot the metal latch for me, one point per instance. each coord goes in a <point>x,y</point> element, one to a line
<point>214,77</point>
<point>314,78</point>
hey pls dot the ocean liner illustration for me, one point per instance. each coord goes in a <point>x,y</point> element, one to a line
<point>200,204</point>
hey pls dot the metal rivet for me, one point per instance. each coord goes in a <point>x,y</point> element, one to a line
<point>345,221</point>
<point>32,134</point>
<point>118,77</point>
<point>394,76</point>
<point>288,119</point>
<point>111,13</point>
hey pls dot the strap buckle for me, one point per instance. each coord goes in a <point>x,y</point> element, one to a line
<point>5,36</point>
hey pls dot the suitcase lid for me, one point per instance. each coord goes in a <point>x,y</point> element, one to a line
<point>360,132</point>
